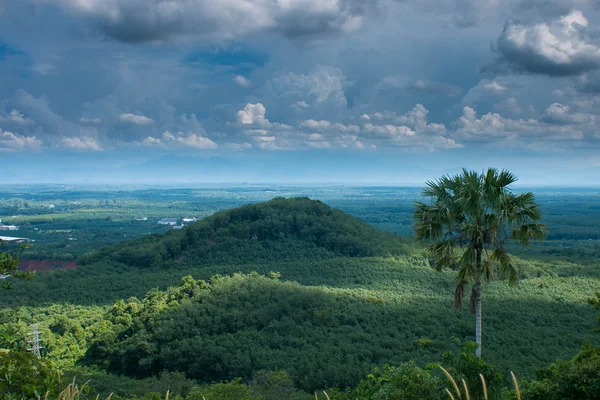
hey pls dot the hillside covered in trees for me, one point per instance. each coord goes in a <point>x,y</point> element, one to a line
<point>287,285</point>
<point>277,230</point>
<point>280,231</point>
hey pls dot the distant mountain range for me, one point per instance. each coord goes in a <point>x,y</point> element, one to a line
<point>276,167</point>
<point>186,169</point>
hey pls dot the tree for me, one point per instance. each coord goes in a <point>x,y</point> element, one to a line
<point>469,219</point>
<point>9,268</point>
<point>578,378</point>
<point>405,382</point>
<point>24,376</point>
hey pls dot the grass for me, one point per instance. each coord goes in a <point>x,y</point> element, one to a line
<point>465,393</point>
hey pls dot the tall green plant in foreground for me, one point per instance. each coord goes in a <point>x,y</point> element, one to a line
<point>470,218</point>
<point>9,268</point>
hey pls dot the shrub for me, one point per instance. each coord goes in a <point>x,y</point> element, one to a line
<point>22,375</point>
<point>405,382</point>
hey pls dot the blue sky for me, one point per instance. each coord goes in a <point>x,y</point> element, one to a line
<point>375,91</point>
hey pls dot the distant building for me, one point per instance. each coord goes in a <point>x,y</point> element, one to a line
<point>168,221</point>
<point>178,227</point>
<point>8,227</point>
<point>143,219</point>
<point>189,220</point>
<point>10,239</point>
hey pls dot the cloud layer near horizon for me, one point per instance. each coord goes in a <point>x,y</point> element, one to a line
<point>189,76</point>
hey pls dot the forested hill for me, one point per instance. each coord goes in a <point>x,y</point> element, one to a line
<point>277,230</point>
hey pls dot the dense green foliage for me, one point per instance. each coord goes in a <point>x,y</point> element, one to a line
<point>264,385</point>
<point>374,311</point>
<point>65,330</point>
<point>24,376</point>
<point>576,379</point>
<point>278,230</point>
<point>326,314</point>
<point>405,382</point>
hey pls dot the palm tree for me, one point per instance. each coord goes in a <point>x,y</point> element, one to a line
<point>470,218</point>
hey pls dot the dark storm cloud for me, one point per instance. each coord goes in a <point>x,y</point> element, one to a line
<point>566,46</point>
<point>135,21</point>
<point>137,25</point>
<point>308,23</point>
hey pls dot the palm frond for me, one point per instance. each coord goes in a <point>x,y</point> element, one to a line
<point>505,178</point>
<point>466,273</point>
<point>430,221</point>
<point>473,300</point>
<point>471,212</point>
<point>487,271</point>
<point>526,232</point>
<point>435,189</point>
<point>469,255</point>
<point>458,295</point>
<point>501,256</point>
<point>520,209</point>
<point>443,254</point>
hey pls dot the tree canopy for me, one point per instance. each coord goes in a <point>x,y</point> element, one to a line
<point>277,230</point>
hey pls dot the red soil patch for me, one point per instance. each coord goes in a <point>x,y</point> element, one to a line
<point>45,265</point>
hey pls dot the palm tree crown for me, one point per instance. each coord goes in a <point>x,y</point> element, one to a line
<point>469,219</point>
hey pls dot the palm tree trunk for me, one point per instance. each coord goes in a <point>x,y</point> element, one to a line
<point>478,318</point>
<point>478,306</point>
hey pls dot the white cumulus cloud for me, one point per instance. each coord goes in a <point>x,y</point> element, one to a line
<point>561,47</point>
<point>242,82</point>
<point>251,113</point>
<point>135,119</point>
<point>80,143</point>
<point>190,140</point>
<point>14,142</point>
<point>159,20</point>
<point>180,140</point>
<point>16,117</point>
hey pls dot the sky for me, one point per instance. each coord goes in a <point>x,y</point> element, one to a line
<point>327,91</point>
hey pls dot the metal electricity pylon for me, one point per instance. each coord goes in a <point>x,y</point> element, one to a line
<point>35,341</point>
